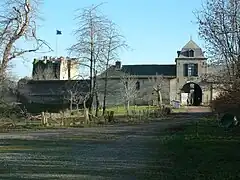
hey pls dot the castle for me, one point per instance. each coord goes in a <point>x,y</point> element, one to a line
<point>180,81</point>
<point>50,68</point>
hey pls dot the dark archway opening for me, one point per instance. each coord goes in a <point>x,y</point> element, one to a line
<point>194,93</point>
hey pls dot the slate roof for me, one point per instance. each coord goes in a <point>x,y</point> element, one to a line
<point>150,70</point>
<point>191,45</point>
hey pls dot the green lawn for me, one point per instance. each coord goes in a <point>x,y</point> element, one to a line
<point>120,110</point>
<point>203,151</point>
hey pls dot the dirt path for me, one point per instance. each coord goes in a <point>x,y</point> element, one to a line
<point>119,152</point>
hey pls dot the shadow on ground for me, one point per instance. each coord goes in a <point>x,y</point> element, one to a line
<point>119,152</point>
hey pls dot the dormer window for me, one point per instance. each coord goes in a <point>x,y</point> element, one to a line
<point>191,53</point>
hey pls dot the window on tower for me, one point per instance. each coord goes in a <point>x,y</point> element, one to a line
<point>190,69</point>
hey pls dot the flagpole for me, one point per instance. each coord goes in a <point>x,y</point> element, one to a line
<point>56,45</point>
<point>58,32</point>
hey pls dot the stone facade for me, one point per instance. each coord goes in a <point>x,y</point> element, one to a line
<point>50,68</point>
<point>177,82</point>
<point>190,65</point>
<point>144,96</point>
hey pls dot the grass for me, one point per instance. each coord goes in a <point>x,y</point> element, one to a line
<point>203,151</point>
<point>180,110</point>
<point>120,110</point>
<point>191,151</point>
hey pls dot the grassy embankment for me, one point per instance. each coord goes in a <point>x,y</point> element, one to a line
<point>202,151</point>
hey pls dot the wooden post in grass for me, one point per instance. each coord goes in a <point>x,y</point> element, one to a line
<point>43,118</point>
<point>144,113</point>
<point>139,114</point>
<point>62,123</point>
<point>86,116</point>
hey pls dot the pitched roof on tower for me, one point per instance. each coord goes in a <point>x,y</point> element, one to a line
<point>191,45</point>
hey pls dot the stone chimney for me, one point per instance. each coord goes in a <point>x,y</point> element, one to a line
<point>118,65</point>
<point>178,53</point>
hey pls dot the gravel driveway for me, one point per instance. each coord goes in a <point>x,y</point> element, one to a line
<point>117,152</point>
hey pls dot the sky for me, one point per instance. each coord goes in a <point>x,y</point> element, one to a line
<point>154,29</point>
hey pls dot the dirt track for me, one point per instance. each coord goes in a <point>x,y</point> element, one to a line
<point>119,152</point>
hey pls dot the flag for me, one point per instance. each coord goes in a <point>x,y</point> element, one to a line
<point>59,32</point>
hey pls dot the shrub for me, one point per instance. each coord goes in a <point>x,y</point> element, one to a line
<point>160,112</point>
<point>227,102</point>
<point>166,110</point>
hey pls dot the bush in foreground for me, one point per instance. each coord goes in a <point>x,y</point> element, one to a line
<point>227,102</point>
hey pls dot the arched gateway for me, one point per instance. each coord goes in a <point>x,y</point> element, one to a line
<point>192,94</point>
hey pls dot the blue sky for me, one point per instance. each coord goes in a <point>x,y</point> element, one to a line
<point>155,29</point>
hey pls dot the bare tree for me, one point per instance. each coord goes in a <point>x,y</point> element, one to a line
<point>76,97</point>
<point>8,89</point>
<point>8,99</point>
<point>17,22</point>
<point>76,93</point>
<point>219,27</point>
<point>129,90</point>
<point>113,43</point>
<point>157,82</point>
<point>89,45</point>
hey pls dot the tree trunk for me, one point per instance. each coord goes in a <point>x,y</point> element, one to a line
<point>97,104</point>
<point>211,93</point>
<point>159,98</point>
<point>128,107</point>
<point>91,75</point>
<point>238,68</point>
<point>105,89</point>
<point>104,105</point>
<point>104,97</point>
<point>71,102</point>
<point>86,114</point>
<point>93,89</point>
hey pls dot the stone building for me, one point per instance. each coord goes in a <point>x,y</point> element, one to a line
<point>50,68</point>
<point>180,81</point>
